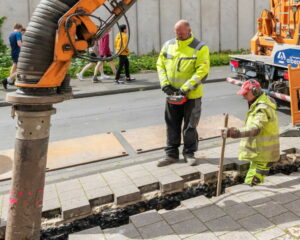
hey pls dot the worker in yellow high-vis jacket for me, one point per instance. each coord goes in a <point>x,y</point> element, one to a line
<point>260,136</point>
<point>182,66</point>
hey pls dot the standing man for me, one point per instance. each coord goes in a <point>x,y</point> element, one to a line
<point>260,136</point>
<point>15,40</point>
<point>182,66</point>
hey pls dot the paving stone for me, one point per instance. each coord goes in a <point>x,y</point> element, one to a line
<point>93,181</point>
<point>277,178</point>
<point>283,198</point>
<point>240,234</point>
<point>160,172</point>
<point>239,211</point>
<point>294,207</point>
<point>270,234</point>
<point>188,173</point>
<point>89,234</point>
<point>203,236</point>
<point>226,200</point>
<point>270,209</point>
<point>255,223</point>
<point>176,215</point>
<point>126,194</point>
<point>50,192</point>
<point>145,218</point>
<point>134,168</point>
<point>284,237</point>
<point>239,189</point>
<point>286,220</point>
<point>189,227</point>
<point>294,231</point>
<point>51,205</point>
<point>206,214</point>
<point>151,166</point>
<point>228,163</point>
<point>127,231</point>
<point>145,184</point>
<point>196,203</point>
<point>222,225</point>
<point>75,207</point>
<point>254,198</point>
<point>119,182</point>
<point>170,237</point>
<point>113,175</point>
<point>99,196</point>
<point>68,185</point>
<point>240,166</point>
<point>71,194</point>
<point>208,172</point>
<point>137,174</point>
<point>170,182</point>
<point>155,230</point>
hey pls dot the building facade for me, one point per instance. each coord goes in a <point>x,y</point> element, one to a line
<point>222,24</point>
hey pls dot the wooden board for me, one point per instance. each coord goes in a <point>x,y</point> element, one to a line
<point>154,137</point>
<point>71,152</point>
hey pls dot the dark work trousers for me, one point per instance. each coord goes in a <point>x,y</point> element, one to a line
<point>123,61</point>
<point>174,115</point>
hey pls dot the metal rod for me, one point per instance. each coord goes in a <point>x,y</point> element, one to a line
<point>221,164</point>
<point>28,177</point>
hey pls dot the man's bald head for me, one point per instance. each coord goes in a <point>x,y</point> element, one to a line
<point>182,30</point>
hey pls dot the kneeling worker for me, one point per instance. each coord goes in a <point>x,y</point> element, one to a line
<point>260,138</point>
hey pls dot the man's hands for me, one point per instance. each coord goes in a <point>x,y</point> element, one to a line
<point>230,132</point>
<point>170,90</point>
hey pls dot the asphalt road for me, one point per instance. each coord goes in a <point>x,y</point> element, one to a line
<point>113,113</point>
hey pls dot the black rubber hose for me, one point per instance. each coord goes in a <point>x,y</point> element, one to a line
<point>38,44</point>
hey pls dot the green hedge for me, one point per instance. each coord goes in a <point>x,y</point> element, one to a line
<point>138,64</point>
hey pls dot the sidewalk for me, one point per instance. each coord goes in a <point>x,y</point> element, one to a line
<point>146,81</point>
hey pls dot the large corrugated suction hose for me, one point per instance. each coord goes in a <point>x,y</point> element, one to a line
<point>39,39</point>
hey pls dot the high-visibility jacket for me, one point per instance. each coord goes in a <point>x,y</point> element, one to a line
<point>263,147</point>
<point>121,41</point>
<point>183,65</point>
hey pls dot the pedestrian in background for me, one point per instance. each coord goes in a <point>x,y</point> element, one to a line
<point>260,136</point>
<point>94,53</point>
<point>182,66</point>
<point>15,41</point>
<point>121,42</point>
<point>104,52</point>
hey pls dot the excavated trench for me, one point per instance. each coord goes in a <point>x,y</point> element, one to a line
<point>113,218</point>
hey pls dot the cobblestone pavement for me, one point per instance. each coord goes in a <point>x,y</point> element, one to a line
<point>263,212</point>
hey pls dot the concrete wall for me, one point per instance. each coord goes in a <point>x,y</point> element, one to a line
<point>222,24</point>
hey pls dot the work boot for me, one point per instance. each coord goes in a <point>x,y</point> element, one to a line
<point>4,83</point>
<point>166,161</point>
<point>190,159</point>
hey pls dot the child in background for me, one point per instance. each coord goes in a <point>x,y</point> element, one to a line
<point>121,41</point>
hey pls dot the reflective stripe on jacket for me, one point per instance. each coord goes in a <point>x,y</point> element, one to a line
<point>265,146</point>
<point>119,44</point>
<point>184,64</point>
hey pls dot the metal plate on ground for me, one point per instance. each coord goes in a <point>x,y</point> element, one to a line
<point>210,127</point>
<point>154,137</point>
<point>71,152</point>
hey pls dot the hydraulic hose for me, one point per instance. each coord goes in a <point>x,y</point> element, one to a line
<point>38,44</point>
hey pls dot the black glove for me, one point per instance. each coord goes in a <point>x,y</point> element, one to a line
<point>169,90</point>
<point>181,93</point>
